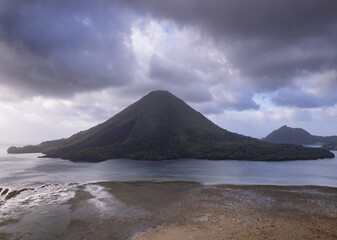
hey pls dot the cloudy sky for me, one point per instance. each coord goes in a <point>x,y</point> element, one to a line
<point>250,66</point>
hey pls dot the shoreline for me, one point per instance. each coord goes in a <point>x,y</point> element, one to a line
<point>148,210</point>
<point>177,159</point>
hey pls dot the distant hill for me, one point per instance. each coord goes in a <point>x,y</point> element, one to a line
<point>162,126</point>
<point>298,136</point>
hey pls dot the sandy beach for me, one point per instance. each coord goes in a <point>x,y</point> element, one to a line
<point>183,210</point>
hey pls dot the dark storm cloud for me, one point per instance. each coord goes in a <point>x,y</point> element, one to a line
<point>270,42</point>
<point>280,19</point>
<point>58,48</point>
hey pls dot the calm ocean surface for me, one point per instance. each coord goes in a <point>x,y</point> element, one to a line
<point>26,170</point>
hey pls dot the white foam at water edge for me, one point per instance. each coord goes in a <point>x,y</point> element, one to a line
<point>101,197</point>
<point>108,205</point>
<point>31,198</point>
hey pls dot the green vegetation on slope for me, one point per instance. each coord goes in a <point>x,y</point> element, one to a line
<point>298,136</point>
<point>162,126</point>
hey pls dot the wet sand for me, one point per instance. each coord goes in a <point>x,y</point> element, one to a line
<point>183,210</point>
<point>229,212</point>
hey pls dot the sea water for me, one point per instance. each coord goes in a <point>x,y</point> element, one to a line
<point>27,170</point>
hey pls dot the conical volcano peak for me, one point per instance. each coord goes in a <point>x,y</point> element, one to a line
<point>164,103</point>
<point>160,96</point>
<point>159,93</point>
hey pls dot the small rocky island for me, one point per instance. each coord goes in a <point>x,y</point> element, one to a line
<point>161,126</point>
